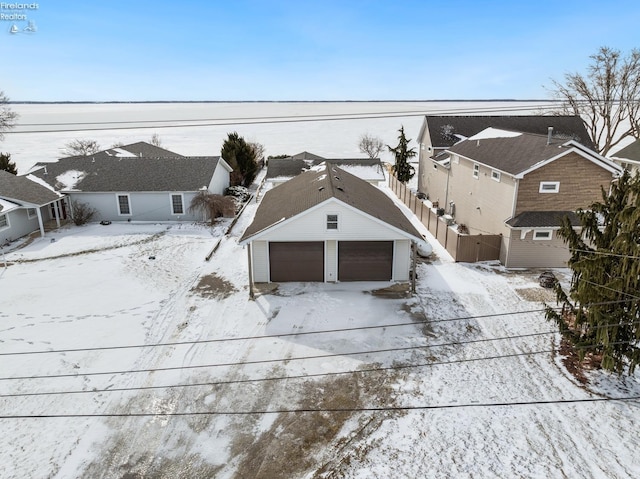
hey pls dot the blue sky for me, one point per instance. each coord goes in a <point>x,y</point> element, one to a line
<point>304,50</point>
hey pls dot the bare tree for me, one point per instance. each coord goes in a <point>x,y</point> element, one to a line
<point>212,205</point>
<point>607,97</point>
<point>258,149</point>
<point>155,140</point>
<point>8,117</point>
<point>80,148</point>
<point>371,145</point>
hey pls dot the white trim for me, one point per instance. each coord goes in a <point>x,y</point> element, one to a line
<point>590,155</point>
<point>545,232</point>
<point>555,184</point>
<point>173,212</point>
<point>476,170</point>
<point>495,175</point>
<point>282,222</point>
<point>120,213</point>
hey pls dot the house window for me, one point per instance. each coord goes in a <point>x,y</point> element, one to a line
<point>332,222</point>
<point>124,208</point>
<point>495,175</point>
<point>549,187</point>
<point>177,207</point>
<point>31,213</point>
<point>542,235</point>
<point>476,170</point>
<point>4,222</point>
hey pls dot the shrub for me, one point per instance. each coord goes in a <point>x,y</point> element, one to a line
<point>82,213</point>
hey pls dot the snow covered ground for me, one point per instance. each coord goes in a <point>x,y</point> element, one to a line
<point>125,353</point>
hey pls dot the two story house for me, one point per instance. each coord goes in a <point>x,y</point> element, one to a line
<point>520,186</point>
<point>438,133</point>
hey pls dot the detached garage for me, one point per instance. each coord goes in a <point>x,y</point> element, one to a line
<point>326,225</point>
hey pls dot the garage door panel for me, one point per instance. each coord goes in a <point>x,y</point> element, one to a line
<point>296,261</point>
<point>365,260</point>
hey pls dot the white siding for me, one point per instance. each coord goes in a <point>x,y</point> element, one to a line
<point>401,260</point>
<point>311,226</point>
<point>220,180</point>
<point>260,257</point>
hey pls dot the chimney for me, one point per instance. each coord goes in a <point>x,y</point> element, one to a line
<point>549,134</point>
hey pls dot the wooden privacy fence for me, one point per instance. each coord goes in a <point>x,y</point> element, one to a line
<point>462,247</point>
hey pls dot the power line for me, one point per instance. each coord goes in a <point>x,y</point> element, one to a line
<point>266,361</point>
<point>297,358</point>
<point>284,335</point>
<point>336,410</point>
<point>287,378</point>
<point>268,120</point>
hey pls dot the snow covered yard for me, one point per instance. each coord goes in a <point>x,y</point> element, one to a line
<point>413,393</point>
<point>149,361</point>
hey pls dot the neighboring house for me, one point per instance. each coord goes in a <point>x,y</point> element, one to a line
<point>520,186</point>
<point>328,225</point>
<point>441,132</point>
<point>629,157</point>
<point>280,170</point>
<point>121,187</point>
<point>25,206</point>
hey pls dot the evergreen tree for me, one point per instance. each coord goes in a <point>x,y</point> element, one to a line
<point>601,312</point>
<point>6,164</point>
<point>402,169</point>
<point>241,156</point>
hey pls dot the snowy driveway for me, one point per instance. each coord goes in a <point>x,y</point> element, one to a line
<point>164,368</point>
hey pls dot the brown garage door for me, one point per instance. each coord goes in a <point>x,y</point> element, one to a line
<point>365,260</point>
<point>296,261</point>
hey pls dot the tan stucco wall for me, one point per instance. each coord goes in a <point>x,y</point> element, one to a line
<point>482,204</point>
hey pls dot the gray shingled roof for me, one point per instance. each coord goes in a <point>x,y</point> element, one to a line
<point>444,128</point>
<point>541,219</point>
<point>147,150</point>
<point>512,155</point>
<point>630,152</point>
<point>316,186</point>
<point>21,189</point>
<point>294,165</point>
<point>132,174</point>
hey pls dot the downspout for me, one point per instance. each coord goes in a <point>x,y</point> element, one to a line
<point>513,214</point>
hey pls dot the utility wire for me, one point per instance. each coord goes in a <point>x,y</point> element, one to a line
<point>258,121</point>
<point>285,335</point>
<point>297,358</point>
<point>290,377</point>
<point>337,410</point>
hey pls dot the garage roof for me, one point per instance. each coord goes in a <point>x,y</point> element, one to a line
<point>318,185</point>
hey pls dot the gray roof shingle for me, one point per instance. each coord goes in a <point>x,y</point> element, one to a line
<point>513,155</point>
<point>443,129</point>
<point>102,174</point>
<point>21,189</point>
<point>542,219</point>
<point>316,186</point>
<point>630,152</point>
<point>296,164</point>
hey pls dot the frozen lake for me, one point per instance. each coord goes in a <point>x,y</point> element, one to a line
<point>330,129</point>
